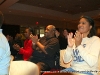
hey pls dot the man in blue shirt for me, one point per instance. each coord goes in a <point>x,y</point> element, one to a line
<point>4,51</point>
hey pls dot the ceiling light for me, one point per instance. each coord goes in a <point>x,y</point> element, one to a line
<point>66,10</point>
<point>9,11</point>
<point>40,4</point>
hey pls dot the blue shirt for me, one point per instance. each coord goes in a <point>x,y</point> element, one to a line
<point>4,54</point>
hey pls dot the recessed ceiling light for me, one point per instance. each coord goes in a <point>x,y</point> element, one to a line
<point>66,10</point>
<point>9,11</point>
<point>80,7</point>
<point>40,4</point>
<point>41,16</point>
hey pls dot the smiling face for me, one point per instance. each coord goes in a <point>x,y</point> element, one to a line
<point>49,32</point>
<point>84,26</point>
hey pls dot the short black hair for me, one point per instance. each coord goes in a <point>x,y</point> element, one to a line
<point>68,30</point>
<point>91,22</point>
<point>31,29</point>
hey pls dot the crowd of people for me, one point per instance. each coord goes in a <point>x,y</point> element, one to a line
<point>82,48</point>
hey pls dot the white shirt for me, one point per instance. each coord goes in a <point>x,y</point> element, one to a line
<point>85,56</point>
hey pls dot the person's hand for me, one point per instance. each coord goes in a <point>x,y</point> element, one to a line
<point>78,38</point>
<point>16,47</point>
<point>57,34</point>
<point>34,38</point>
<point>71,41</point>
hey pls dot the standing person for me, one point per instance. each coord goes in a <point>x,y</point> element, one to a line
<point>63,45</point>
<point>64,42</point>
<point>4,51</point>
<point>83,50</point>
<point>27,50</point>
<point>62,38</point>
<point>18,41</point>
<point>45,50</point>
<point>59,37</point>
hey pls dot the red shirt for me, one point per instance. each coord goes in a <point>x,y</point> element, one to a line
<point>27,50</point>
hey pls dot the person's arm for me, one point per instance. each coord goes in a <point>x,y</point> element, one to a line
<point>35,41</point>
<point>90,53</point>
<point>41,47</point>
<point>67,55</point>
<point>53,47</point>
<point>27,50</point>
<point>33,45</point>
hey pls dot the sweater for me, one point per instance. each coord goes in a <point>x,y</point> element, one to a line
<point>85,56</point>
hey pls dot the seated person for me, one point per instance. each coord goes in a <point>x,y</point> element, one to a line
<point>83,50</point>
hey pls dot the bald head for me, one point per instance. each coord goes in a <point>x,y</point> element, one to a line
<point>50,31</point>
<point>52,27</point>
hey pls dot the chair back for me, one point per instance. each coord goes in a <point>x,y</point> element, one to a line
<point>62,64</point>
<point>23,68</point>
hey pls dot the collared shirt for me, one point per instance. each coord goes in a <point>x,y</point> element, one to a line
<point>51,47</point>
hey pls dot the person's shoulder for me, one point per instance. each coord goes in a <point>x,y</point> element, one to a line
<point>94,38</point>
<point>54,39</point>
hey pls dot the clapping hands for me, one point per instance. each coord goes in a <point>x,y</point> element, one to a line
<point>16,47</point>
<point>34,38</point>
<point>70,40</point>
<point>77,39</point>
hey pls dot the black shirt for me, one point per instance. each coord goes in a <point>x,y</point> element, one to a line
<point>62,42</point>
